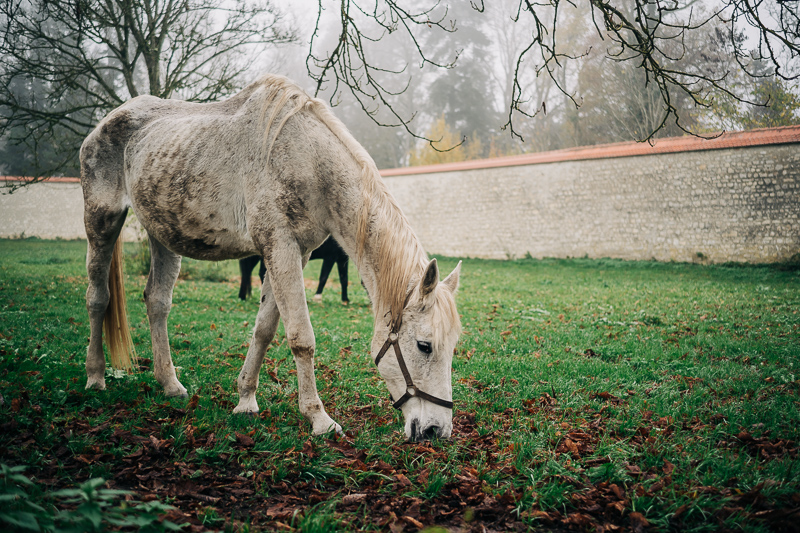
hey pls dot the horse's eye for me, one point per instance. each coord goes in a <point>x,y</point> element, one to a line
<point>424,347</point>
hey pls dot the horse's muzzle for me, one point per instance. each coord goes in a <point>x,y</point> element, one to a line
<point>420,434</point>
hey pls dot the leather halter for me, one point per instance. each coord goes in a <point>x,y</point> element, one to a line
<point>411,389</point>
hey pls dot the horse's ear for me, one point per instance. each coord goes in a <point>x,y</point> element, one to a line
<point>451,281</point>
<point>429,279</point>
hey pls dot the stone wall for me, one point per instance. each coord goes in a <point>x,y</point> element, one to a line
<point>51,209</point>
<point>740,204</point>
<point>736,202</point>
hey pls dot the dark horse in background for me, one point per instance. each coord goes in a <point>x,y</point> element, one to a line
<point>329,251</point>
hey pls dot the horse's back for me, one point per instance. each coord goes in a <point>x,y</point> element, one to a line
<point>103,152</point>
<point>181,167</point>
<point>228,179</point>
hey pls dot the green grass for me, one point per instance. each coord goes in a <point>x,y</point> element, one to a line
<point>588,393</point>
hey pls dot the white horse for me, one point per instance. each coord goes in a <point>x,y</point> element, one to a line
<point>271,172</point>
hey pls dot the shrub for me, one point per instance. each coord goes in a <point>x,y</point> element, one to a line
<point>25,507</point>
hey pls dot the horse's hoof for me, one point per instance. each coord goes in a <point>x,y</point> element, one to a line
<point>96,385</point>
<point>247,406</point>
<point>325,428</point>
<point>317,298</point>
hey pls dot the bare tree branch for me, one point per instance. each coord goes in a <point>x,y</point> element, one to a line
<point>348,66</point>
<point>651,33</point>
<point>66,63</point>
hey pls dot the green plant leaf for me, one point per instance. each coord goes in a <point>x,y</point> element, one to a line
<point>67,493</point>
<point>92,513</point>
<point>21,479</point>
<point>22,520</point>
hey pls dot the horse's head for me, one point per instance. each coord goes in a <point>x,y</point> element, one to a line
<point>419,379</point>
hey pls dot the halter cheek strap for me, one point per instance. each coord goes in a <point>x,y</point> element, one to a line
<point>411,389</point>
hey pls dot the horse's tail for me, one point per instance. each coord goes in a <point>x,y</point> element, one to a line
<point>115,322</point>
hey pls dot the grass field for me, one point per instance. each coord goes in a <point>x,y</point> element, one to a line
<point>595,395</point>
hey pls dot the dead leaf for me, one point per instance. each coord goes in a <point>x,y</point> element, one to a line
<point>281,510</point>
<point>633,470</point>
<point>638,522</point>
<point>244,440</point>
<point>607,396</point>
<point>679,511</point>
<point>309,449</point>
<point>193,402</point>
<point>572,447</point>
<point>538,515</point>
<point>578,520</point>
<point>352,499</point>
<point>657,486</point>
<point>413,521</point>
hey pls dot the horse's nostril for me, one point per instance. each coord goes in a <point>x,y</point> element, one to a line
<point>414,426</point>
<point>431,433</point>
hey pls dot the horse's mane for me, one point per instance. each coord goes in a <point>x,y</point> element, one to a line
<point>400,257</point>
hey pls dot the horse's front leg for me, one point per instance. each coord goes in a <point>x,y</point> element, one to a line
<point>285,271</point>
<point>164,269</point>
<point>263,333</point>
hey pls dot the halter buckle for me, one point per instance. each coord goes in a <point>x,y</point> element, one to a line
<point>392,337</point>
<point>411,391</point>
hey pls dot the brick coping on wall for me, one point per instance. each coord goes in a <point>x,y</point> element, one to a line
<point>53,179</point>
<point>733,139</point>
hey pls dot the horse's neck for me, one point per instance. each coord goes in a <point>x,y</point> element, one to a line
<point>391,254</point>
<point>382,278</point>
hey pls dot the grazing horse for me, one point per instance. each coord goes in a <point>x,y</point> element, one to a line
<point>330,252</point>
<point>269,172</point>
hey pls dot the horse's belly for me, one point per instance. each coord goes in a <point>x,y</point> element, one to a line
<point>185,178</point>
<point>190,218</point>
<point>208,243</point>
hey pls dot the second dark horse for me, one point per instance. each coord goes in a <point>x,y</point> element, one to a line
<point>329,251</point>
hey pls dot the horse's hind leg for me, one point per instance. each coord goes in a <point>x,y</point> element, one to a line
<point>164,269</point>
<point>103,225</point>
<point>263,333</point>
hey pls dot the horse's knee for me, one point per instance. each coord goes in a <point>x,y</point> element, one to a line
<point>302,351</point>
<point>265,329</point>
<point>96,301</point>
<point>157,307</point>
<point>302,346</point>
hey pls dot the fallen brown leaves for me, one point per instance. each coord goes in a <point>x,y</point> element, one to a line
<point>157,466</point>
<point>763,447</point>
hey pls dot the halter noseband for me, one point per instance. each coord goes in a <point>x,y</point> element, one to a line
<point>411,389</point>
